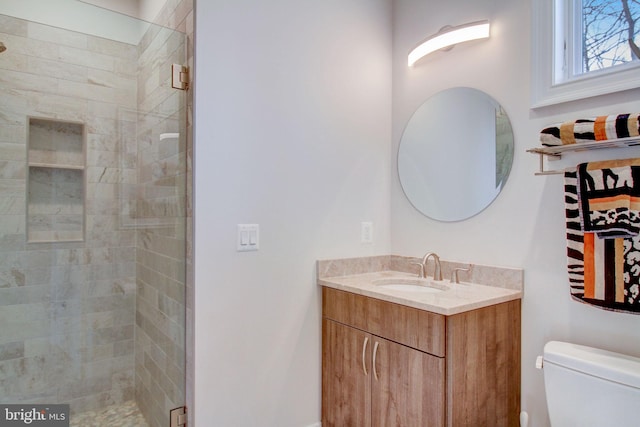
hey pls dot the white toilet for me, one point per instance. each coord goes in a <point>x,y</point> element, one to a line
<point>589,387</point>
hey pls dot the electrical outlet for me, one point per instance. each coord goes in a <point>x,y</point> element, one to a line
<point>366,232</point>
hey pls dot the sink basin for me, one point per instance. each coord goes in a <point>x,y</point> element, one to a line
<point>409,285</point>
<point>410,288</point>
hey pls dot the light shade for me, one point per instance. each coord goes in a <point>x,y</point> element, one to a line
<point>449,37</point>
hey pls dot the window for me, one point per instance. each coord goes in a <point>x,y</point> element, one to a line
<point>583,48</point>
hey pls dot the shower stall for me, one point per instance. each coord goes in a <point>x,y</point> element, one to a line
<point>93,213</point>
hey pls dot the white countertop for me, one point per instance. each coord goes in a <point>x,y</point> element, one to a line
<point>453,299</point>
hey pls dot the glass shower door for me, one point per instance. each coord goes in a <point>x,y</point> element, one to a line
<point>92,218</point>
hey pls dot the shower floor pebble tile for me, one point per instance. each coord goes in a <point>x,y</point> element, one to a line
<point>125,415</point>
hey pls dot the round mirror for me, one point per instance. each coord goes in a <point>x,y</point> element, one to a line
<point>455,154</point>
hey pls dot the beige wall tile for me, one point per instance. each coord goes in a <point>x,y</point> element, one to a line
<point>87,291</point>
<point>112,48</point>
<point>87,59</point>
<point>15,26</point>
<point>62,37</point>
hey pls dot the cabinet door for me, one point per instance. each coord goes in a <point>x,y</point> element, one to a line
<point>407,387</point>
<point>346,373</point>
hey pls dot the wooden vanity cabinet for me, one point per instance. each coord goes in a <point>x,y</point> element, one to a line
<point>346,398</point>
<point>385,364</point>
<point>405,387</point>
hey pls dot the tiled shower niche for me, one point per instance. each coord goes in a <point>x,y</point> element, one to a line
<point>55,202</point>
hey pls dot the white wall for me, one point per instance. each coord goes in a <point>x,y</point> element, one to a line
<point>77,16</point>
<point>147,10</point>
<point>127,7</point>
<point>292,131</point>
<point>524,227</point>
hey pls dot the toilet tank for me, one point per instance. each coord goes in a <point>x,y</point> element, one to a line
<point>589,387</point>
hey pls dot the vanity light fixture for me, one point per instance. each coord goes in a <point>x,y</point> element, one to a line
<point>448,36</point>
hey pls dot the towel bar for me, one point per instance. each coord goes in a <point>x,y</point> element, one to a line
<point>557,151</point>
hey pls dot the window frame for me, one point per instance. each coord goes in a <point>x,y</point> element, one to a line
<point>548,51</point>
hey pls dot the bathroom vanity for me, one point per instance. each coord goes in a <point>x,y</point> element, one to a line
<point>391,357</point>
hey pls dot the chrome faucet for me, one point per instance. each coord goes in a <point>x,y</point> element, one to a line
<point>454,274</point>
<point>437,272</point>
<point>421,265</point>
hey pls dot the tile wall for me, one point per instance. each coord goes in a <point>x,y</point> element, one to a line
<point>161,217</point>
<point>101,321</point>
<point>67,309</point>
<point>178,15</point>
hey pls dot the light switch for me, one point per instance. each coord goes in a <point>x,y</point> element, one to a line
<point>248,237</point>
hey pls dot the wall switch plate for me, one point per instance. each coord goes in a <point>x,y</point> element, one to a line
<point>366,232</point>
<point>248,237</point>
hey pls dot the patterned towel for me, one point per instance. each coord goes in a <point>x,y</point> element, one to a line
<point>609,197</point>
<point>602,272</point>
<point>599,128</point>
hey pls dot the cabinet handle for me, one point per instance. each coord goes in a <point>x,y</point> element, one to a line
<point>375,353</point>
<point>364,354</point>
